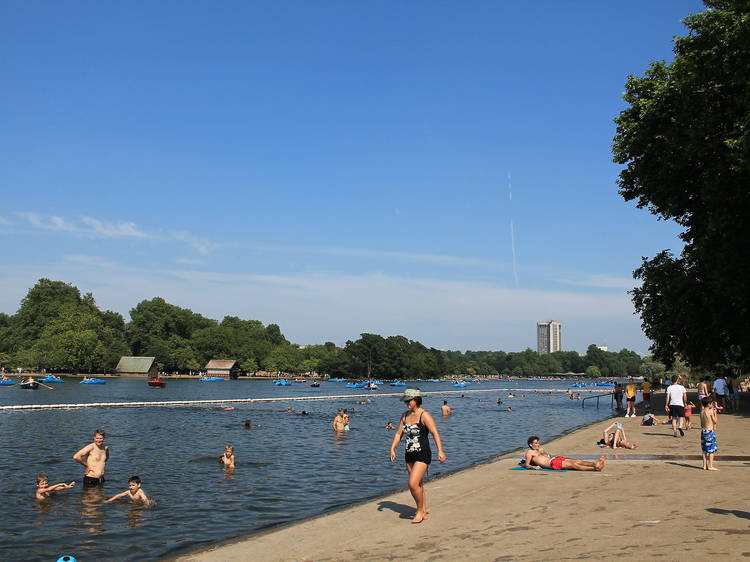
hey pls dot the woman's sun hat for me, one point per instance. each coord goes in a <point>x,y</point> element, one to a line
<point>411,392</point>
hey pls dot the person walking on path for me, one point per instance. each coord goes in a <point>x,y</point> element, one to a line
<point>630,394</point>
<point>708,433</point>
<point>676,398</point>
<point>417,424</point>
<point>720,391</point>
<point>703,390</point>
<point>733,390</point>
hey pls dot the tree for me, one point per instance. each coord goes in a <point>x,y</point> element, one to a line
<point>593,372</point>
<point>685,144</point>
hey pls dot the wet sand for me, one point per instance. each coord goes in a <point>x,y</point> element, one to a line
<point>654,502</point>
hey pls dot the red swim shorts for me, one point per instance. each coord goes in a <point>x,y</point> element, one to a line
<point>647,396</point>
<point>556,463</point>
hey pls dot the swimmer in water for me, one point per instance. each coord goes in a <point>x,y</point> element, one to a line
<point>227,459</point>
<point>134,493</point>
<point>43,488</point>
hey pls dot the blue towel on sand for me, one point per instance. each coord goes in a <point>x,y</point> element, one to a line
<point>547,469</point>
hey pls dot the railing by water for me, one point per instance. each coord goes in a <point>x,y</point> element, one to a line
<point>598,396</point>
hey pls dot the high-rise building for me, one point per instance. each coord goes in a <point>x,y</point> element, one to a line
<point>548,337</point>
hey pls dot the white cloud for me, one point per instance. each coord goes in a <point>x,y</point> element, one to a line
<point>318,308</point>
<point>603,281</point>
<point>113,230</point>
<point>188,261</point>
<point>90,225</point>
<point>92,261</point>
<point>5,222</point>
<point>200,245</point>
<point>48,223</point>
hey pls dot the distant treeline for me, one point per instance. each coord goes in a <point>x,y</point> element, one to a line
<point>59,329</point>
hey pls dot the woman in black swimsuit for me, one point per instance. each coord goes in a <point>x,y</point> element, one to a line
<point>417,424</point>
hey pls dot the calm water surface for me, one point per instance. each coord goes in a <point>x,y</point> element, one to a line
<point>288,466</point>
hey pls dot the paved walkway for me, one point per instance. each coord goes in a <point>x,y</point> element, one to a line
<point>664,507</point>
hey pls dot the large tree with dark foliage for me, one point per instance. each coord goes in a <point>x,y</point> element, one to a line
<point>685,144</point>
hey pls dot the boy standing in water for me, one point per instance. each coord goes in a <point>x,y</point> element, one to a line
<point>97,455</point>
<point>43,488</point>
<point>708,433</point>
<point>134,492</point>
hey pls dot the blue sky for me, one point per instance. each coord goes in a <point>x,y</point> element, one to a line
<point>438,170</point>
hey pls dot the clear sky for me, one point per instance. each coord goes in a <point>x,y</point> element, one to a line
<point>439,170</point>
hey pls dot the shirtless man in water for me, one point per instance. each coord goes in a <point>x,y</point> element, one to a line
<point>96,456</point>
<point>537,458</point>
<point>338,424</point>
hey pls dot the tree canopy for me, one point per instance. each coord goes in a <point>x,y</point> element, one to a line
<point>686,150</point>
<point>57,328</point>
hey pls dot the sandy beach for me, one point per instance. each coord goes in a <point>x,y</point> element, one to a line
<point>655,502</point>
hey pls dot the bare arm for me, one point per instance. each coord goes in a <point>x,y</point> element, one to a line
<point>117,497</point>
<point>432,428</point>
<point>606,431</point>
<point>397,438</point>
<point>78,457</point>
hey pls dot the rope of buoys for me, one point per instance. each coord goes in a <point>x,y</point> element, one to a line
<point>250,400</point>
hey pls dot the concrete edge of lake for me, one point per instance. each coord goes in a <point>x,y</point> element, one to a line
<point>654,501</point>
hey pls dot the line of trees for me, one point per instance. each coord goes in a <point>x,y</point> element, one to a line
<point>61,330</point>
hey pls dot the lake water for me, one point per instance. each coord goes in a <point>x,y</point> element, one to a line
<point>288,466</point>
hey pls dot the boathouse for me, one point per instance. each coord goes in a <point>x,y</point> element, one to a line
<point>137,367</point>
<point>225,368</point>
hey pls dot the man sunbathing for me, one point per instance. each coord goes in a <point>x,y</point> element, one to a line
<point>537,458</point>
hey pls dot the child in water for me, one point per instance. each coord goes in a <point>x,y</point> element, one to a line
<point>43,488</point>
<point>134,493</point>
<point>227,459</point>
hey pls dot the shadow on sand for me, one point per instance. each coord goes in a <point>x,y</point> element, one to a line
<point>404,511</point>
<point>735,512</point>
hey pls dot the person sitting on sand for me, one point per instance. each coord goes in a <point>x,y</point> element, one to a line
<point>537,458</point>
<point>649,419</point>
<point>614,436</point>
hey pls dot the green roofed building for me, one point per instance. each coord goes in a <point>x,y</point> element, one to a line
<point>138,366</point>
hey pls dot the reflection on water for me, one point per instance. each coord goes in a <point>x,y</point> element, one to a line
<point>134,517</point>
<point>91,509</point>
<point>288,466</point>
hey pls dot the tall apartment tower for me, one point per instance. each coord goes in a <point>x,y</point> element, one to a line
<point>548,337</point>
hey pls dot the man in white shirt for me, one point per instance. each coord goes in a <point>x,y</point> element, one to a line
<point>676,398</point>
<point>720,390</point>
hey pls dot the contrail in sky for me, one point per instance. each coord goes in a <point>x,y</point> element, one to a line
<point>512,233</point>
